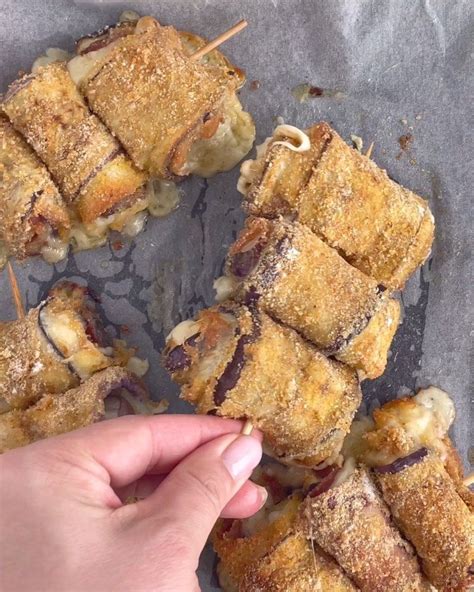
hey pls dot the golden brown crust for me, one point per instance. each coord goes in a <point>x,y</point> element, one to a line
<point>374,342</point>
<point>275,558</point>
<point>282,175</point>
<point>381,228</point>
<point>352,523</point>
<point>293,566</point>
<point>32,208</point>
<point>426,506</point>
<point>305,284</point>
<point>35,360</point>
<point>219,65</point>
<point>455,469</point>
<point>238,552</point>
<point>84,159</point>
<point>302,401</point>
<point>28,365</point>
<point>153,97</point>
<point>57,414</point>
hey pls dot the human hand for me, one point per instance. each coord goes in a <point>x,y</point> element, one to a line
<point>64,527</point>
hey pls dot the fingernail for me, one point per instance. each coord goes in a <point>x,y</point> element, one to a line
<point>263,493</point>
<point>242,456</point>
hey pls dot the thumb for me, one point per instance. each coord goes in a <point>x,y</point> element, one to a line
<point>193,495</point>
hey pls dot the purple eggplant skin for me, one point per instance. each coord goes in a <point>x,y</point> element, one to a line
<point>325,484</point>
<point>402,463</point>
<point>244,262</point>
<point>178,359</point>
<point>231,374</point>
<point>233,370</point>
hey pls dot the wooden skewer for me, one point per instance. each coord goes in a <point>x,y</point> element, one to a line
<point>247,429</point>
<point>469,480</point>
<point>20,309</point>
<point>369,150</point>
<point>219,40</point>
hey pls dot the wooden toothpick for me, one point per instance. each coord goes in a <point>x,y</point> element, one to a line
<point>247,429</point>
<point>219,40</point>
<point>369,150</point>
<point>20,309</point>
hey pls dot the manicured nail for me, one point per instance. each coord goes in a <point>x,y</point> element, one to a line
<point>242,456</point>
<point>263,494</point>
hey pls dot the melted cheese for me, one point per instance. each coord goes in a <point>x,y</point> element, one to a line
<point>61,333</point>
<point>354,443</point>
<point>129,16</point>
<point>231,142</point>
<point>250,170</point>
<point>163,197</point>
<point>135,225</point>
<point>224,287</point>
<point>343,474</point>
<point>81,66</point>
<point>54,250</point>
<point>52,54</point>
<point>401,427</point>
<point>440,405</point>
<point>303,143</point>
<point>138,366</point>
<point>183,331</point>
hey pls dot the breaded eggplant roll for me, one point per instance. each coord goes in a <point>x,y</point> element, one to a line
<point>235,361</point>
<point>84,159</point>
<point>420,477</point>
<point>34,219</point>
<point>59,344</point>
<point>299,280</point>
<point>378,226</point>
<point>345,514</point>
<point>268,554</point>
<point>179,116</point>
<point>53,415</point>
<point>428,509</point>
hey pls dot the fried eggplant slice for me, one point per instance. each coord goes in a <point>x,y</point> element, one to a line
<point>267,553</point>
<point>296,278</point>
<point>34,219</point>
<point>348,518</point>
<point>84,159</point>
<point>57,414</point>
<point>378,226</point>
<point>428,509</point>
<point>420,476</point>
<point>158,102</point>
<point>59,344</point>
<point>235,361</point>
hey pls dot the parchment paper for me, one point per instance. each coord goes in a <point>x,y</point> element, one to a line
<point>399,67</point>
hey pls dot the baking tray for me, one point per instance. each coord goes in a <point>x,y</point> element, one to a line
<point>388,69</point>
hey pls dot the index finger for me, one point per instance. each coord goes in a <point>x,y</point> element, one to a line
<point>131,446</point>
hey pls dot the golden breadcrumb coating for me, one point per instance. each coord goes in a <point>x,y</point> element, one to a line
<point>53,415</point>
<point>32,208</point>
<point>352,523</point>
<point>381,228</point>
<point>275,558</point>
<point>52,349</point>
<point>83,158</point>
<point>244,364</point>
<point>154,98</point>
<point>429,511</point>
<point>305,284</point>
